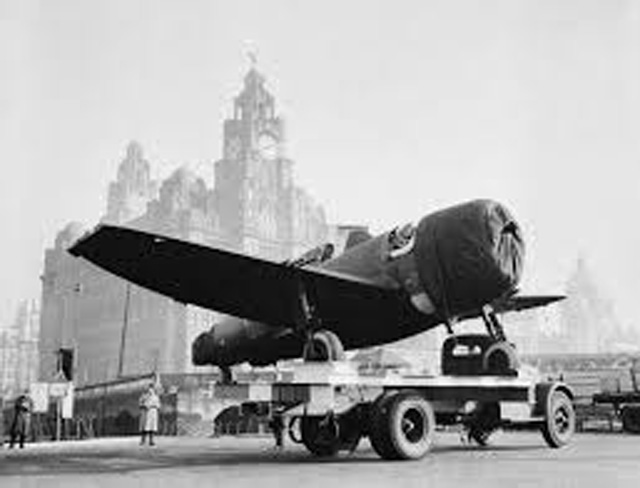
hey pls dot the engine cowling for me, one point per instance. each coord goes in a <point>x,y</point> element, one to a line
<point>469,255</point>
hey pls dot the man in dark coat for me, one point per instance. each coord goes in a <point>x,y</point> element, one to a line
<point>277,427</point>
<point>21,419</point>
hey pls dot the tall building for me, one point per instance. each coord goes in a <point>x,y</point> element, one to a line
<point>261,211</point>
<point>117,329</point>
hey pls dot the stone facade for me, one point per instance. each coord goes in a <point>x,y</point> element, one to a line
<point>133,189</point>
<point>261,211</point>
<point>117,329</point>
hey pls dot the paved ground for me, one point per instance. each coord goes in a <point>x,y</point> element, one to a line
<point>514,460</point>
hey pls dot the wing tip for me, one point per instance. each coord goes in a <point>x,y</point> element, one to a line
<point>79,246</point>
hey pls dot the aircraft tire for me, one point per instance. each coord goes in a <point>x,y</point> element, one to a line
<point>500,359</point>
<point>320,440</point>
<point>325,346</point>
<point>402,426</point>
<point>630,416</point>
<point>560,419</point>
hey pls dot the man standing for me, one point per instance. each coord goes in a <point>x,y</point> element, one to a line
<point>149,410</point>
<point>277,427</point>
<point>1,422</point>
<point>20,426</point>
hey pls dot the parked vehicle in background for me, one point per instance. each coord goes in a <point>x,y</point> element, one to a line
<point>624,396</point>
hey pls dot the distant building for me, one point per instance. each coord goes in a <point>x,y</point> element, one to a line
<point>583,323</point>
<point>117,329</point>
<point>589,323</point>
<point>133,189</point>
<point>19,350</point>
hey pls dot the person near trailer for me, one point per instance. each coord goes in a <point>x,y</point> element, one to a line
<point>149,412</point>
<point>276,424</point>
<point>21,424</point>
<point>1,422</point>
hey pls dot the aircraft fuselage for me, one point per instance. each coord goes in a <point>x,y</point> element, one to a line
<point>451,263</point>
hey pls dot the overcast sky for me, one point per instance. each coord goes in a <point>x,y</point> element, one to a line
<point>393,109</point>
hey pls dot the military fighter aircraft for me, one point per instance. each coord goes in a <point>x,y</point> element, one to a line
<point>461,262</point>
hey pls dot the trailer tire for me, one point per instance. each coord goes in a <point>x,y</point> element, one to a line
<point>402,426</point>
<point>630,416</point>
<point>320,440</point>
<point>559,419</point>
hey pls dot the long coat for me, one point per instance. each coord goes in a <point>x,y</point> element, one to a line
<point>22,416</point>
<point>149,410</point>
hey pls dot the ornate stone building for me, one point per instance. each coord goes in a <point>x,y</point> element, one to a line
<point>261,211</point>
<point>133,189</point>
<point>117,329</point>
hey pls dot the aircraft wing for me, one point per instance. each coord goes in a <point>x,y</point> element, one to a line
<point>236,284</point>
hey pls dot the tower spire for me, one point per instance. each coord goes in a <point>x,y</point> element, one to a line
<point>252,54</point>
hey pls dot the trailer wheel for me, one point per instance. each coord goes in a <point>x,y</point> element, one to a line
<point>630,416</point>
<point>402,426</point>
<point>325,346</point>
<point>560,419</point>
<point>320,435</point>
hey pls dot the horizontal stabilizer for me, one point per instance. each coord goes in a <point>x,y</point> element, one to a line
<point>516,303</point>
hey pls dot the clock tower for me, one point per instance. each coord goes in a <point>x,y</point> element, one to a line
<point>253,183</point>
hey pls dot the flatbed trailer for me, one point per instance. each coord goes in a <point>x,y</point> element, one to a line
<point>625,402</point>
<point>329,407</point>
<point>626,405</point>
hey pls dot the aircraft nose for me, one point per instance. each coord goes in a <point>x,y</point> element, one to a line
<point>469,255</point>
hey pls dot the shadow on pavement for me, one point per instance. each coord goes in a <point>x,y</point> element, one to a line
<point>130,458</point>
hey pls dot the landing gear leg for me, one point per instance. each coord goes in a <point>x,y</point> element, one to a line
<point>227,375</point>
<point>493,325</point>
<point>319,344</point>
<point>501,358</point>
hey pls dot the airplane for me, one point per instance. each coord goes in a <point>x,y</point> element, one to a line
<point>458,263</point>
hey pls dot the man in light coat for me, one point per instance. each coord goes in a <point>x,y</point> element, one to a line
<point>149,411</point>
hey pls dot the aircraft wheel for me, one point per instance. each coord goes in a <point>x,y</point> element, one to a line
<point>402,426</point>
<point>320,435</point>
<point>560,419</point>
<point>500,359</point>
<point>630,416</point>
<point>325,346</point>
